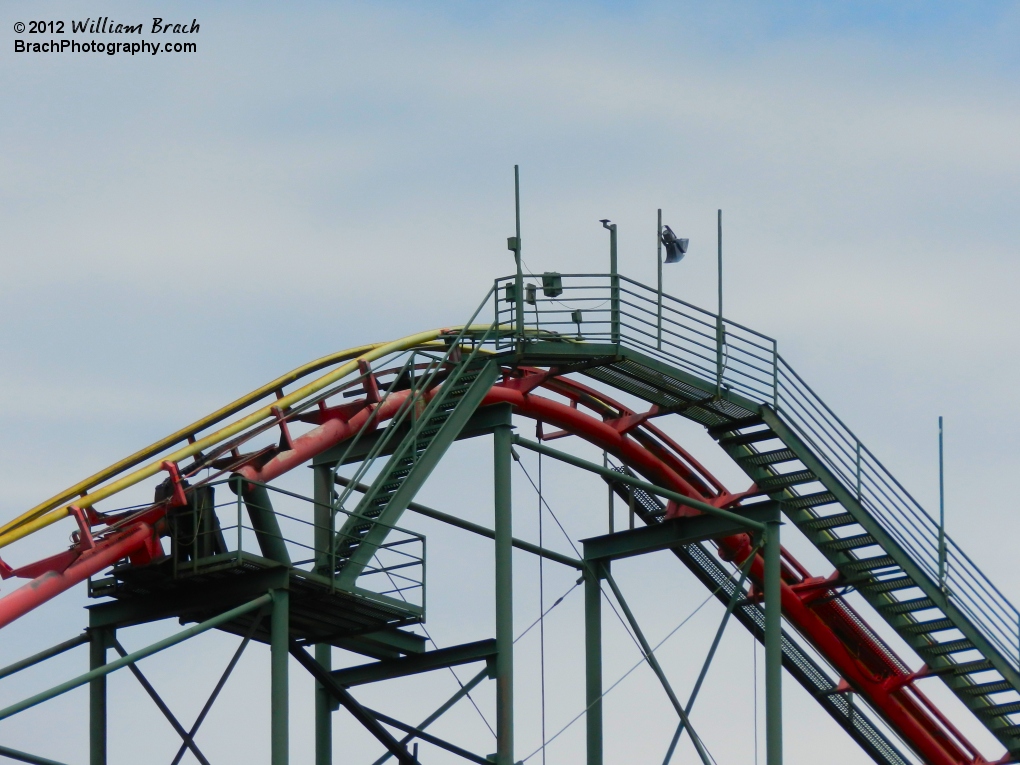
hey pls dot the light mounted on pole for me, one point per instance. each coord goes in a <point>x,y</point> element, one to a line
<point>614,282</point>
<point>676,248</point>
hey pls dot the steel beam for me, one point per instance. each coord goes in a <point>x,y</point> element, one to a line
<point>503,525</point>
<point>97,697</point>
<point>463,691</point>
<point>279,648</point>
<point>653,662</point>
<point>49,653</point>
<point>651,488</point>
<point>593,662</point>
<point>362,715</point>
<point>773,647</point>
<point>674,533</point>
<point>483,650</point>
<point>429,738</point>
<point>264,521</point>
<point>322,495</point>
<point>116,664</point>
<point>475,528</point>
<point>14,754</point>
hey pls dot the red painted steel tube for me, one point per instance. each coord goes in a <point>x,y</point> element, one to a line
<point>49,585</point>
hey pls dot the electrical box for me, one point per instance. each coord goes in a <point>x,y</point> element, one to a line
<point>552,284</point>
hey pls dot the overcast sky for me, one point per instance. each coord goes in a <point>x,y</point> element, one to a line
<point>177,229</point>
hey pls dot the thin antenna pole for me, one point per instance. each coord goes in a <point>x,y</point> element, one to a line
<point>658,263</point>
<point>519,283</point>
<point>942,514</point>
<point>720,332</point>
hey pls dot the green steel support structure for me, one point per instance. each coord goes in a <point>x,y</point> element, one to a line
<point>773,647</point>
<point>279,650</point>
<point>322,495</point>
<point>503,527</point>
<point>97,697</point>
<point>593,661</point>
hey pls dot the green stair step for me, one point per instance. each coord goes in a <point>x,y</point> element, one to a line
<point>785,480</point>
<point>737,424</point>
<point>871,564</point>
<point>747,438</point>
<point>829,522</point>
<point>985,689</point>
<point>888,585</point>
<point>810,500</point>
<point>769,458</point>
<point>907,606</point>
<point>998,710</point>
<point>951,646</point>
<point>849,543</point>
<point>965,668</point>
<point>928,627</point>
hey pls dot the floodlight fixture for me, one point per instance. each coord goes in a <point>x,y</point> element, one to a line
<point>676,248</point>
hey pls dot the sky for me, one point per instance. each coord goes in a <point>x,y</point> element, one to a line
<point>177,229</point>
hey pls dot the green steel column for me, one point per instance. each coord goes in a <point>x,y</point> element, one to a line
<point>265,523</point>
<point>519,280</point>
<point>720,329</point>
<point>658,265</point>
<point>323,496</point>
<point>773,648</point>
<point>279,684</point>
<point>504,598</point>
<point>97,699</point>
<point>593,662</point>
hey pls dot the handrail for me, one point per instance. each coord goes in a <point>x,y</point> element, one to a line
<point>748,363</point>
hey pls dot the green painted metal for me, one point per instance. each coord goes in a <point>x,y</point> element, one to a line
<point>743,521</point>
<point>593,663</point>
<point>653,662</point>
<point>364,716</point>
<point>113,666</point>
<point>482,650</point>
<point>503,527</point>
<point>773,646</point>
<point>673,533</point>
<point>97,696</point>
<point>658,269</point>
<point>463,691</point>
<point>411,464</point>
<point>476,528</point>
<point>941,663</point>
<point>264,521</point>
<point>279,681</point>
<point>429,738</point>
<point>322,494</point>
<point>942,513</point>
<point>720,327</point>
<point>738,594</point>
<point>14,754</point>
<point>49,653</point>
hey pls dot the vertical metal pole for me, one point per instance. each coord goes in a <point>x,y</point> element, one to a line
<point>775,375</point>
<point>858,471</point>
<point>504,597</point>
<point>658,265</point>
<point>942,515</point>
<point>773,648</point>
<point>323,540</point>
<point>720,332</point>
<point>593,661</point>
<point>612,509</point>
<point>97,698</point>
<point>614,285</point>
<point>279,683</point>
<point>519,283</point>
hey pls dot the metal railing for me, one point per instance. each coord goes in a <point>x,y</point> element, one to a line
<point>198,540</point>
<point>735,358</point>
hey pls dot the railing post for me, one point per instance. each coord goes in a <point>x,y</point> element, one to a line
<point>504,596</point>
<point>614,285</point>
<point>858,470</point>
<point>720,330</point>
<point>593,662</point>
<point>773,647</point>
<point>279,654</point>
<point>775,375</point>
<point>658,264</point>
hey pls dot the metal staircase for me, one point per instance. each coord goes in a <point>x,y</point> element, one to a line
<point>415,456</point>
<point>923,613</point>
<point>880,540</point>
